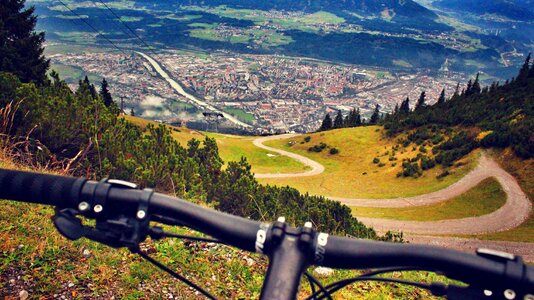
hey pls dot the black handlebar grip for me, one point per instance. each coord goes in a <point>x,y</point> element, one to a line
<point>47,189</point>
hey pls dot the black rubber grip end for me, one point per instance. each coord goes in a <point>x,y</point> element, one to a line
<point>40,188</point>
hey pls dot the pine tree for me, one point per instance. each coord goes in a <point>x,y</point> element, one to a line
<point>467,91</point>
<point>405,106</point>
<point>441,98</point>
<point>105,94</point>
<point>421,101</point>
<point>338,121</point>
<point>524,72</point>
<point>327,123</point>
<point>358,118</point>
<point>396,109</point>
<point>132,112</point>
<point>376,115</point>
<point>21,49</point>
<point>531,72</point>
<point>475,89</point>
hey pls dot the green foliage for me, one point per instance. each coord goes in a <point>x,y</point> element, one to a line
<point>507,111</point>
<point>21,48</point>
<point>327,123</point>
<point>334,151</point>
<point>80,124</point>
<point>318,148</point>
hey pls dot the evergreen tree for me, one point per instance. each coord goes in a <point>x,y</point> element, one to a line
<point>421,101</point>
<point>327,123</point>
<point>467,91</point>
<point>441,98</point>
<point>338,121</point>
<point>524,72</point>
<point>358,118</point>
<point>21,49</point>
<point>396,109</point>
<point>132,112</point>
<point>90,87</point>
<point>105,94</point>
<point>531,72</point>
<point>405,106</point>
<point>376,115</point>
<point>475,89</point>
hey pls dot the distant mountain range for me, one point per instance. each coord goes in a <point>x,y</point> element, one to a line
<point>399,8</point>
<point>518,10</point>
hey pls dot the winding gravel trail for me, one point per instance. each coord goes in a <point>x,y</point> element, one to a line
<point>316,168</point>
<point>514,212</point>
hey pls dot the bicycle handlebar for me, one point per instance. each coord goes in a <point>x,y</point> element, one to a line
<point>290,250</point>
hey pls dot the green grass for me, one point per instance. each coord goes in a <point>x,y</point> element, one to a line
<point>485,198</point>
<point>40,260</point>
<point>72,74</point>
<point>351,173</point>
<point>131,19</point>
<point>240,114</point>
<point>232,148</point>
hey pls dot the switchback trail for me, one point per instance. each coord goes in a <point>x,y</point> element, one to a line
<point>316,168</point>
<point>514,212</point>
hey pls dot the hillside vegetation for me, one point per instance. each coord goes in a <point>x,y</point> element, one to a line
<point>233,147</point>
<point>366,166</point>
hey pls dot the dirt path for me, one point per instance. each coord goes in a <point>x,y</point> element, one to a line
<point>514,212</point>
<point>316,168</point>
<point>526,250</point>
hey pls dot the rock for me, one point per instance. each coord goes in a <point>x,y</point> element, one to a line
<point>71,284</point>
<point>23,295</point>
<point>323,272</point>
<point>86,253</point>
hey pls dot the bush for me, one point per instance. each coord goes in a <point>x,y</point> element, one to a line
<point>334,151</point>
<point>307,139</point>
<point>443,174</point>
<point>376,160</point>
<point>318,148</point>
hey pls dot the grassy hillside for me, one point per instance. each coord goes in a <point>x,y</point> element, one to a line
<point>352,173</point>
<point>232,148</point>
<point>486,197</point>
<point>34,257</point>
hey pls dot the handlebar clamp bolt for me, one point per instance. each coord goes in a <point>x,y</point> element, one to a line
<point>83,206</point>
<point>141,214</point>
<point>509,294</point>
<point>98,208</point>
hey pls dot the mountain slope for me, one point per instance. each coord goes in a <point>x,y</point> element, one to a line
<point>514,10</point>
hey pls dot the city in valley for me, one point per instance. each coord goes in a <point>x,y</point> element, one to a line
<point>271,93</point>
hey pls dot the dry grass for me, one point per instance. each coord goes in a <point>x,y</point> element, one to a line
<point>352,173</point>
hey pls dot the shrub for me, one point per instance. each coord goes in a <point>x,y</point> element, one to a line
<point>334,151</point>
<point>376,160</point>
<point>307,139</point>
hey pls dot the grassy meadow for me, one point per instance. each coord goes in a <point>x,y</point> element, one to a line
<point>352,174</point>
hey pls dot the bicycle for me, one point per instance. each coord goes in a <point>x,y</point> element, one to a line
<point>123,213</point>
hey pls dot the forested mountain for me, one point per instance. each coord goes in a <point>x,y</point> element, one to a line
<point>514,10</point>
<point>406,8</point>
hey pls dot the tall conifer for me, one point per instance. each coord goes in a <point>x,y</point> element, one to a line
<point>21,48</point>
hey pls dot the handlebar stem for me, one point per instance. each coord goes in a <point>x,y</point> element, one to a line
<point>290,252</point>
